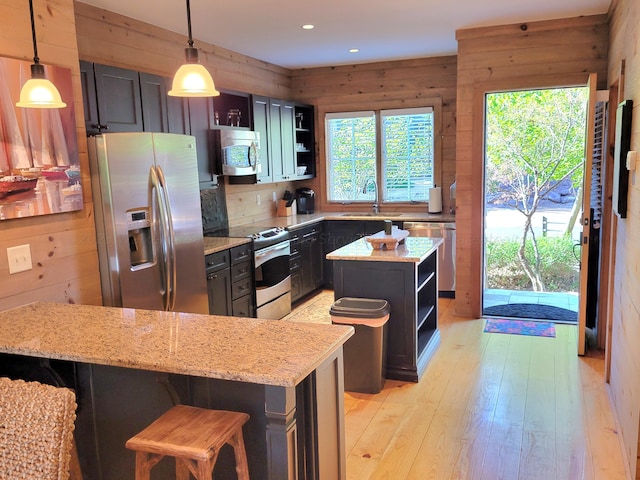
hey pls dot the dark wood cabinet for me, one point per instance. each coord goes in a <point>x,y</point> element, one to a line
<point>242,281</point>
<point>260,114</point>
<point>230,282</point>
<point>305,262</point>
<point>153,95</point>
<point>232,109</point>
<point>305,145</point>
<point>286,139</point>
<point>177,113</point>
<point>412,292</point>
<point>112,102</point>
<point>219,283</point>
<point>281,140</point>
<point>201,120</point>
<point>121,100</point>
<point>89,98</point>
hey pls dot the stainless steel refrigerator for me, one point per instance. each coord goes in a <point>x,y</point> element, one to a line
<point>148,221</point>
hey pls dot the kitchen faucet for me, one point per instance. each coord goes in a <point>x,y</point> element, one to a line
<point>376,206</point>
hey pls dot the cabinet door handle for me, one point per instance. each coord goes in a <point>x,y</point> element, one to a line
<point>211,276</point>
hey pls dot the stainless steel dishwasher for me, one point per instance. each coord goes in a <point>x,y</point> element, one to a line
<point>446,252</point>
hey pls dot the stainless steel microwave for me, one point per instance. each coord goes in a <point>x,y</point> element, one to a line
<point>238,151</point>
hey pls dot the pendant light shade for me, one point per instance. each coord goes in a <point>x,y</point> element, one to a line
<point>38,92</point>
<point>192,79</point>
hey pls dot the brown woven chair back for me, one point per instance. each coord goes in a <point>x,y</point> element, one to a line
<point>36,430</point>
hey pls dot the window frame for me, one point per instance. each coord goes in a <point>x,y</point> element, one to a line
<point>347,110</point>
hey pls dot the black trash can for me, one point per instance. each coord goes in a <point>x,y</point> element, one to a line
<point>365,353</point>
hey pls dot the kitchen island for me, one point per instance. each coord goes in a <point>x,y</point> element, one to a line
<point>128,366</point>
<point>407,277</point>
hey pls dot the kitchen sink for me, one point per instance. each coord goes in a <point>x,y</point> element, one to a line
<point>372,214</point>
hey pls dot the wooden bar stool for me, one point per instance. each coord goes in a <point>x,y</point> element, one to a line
<point>194,437</point>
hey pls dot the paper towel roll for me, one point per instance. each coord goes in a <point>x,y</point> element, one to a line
<point>435,200</point>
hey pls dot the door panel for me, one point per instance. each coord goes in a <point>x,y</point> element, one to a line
<point>586,214</point>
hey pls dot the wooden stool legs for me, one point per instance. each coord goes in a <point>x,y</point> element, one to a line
<point>242,469</point>
<point>193,436</point>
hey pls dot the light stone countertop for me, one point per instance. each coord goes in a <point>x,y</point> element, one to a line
<point>303,219</point>
<point>413,249</point>
<point>268,352</point>
<point>218,244</point>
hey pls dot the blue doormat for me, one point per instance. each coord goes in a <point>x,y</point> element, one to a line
<point>520,327</point>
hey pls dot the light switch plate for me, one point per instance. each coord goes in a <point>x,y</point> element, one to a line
<point>19,258</point>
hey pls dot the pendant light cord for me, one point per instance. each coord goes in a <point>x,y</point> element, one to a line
<point>188,22</point>
<point>33,34</point>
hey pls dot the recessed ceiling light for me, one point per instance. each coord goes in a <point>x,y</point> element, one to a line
<point>354,50</point>
<point>308,26</point>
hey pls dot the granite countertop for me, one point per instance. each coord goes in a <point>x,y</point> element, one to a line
<point>303,219</point>
<point>413,249</point>
<point>267,352</point>
<point>218,244</point>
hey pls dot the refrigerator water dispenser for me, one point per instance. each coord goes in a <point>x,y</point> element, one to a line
<point>139,229</point>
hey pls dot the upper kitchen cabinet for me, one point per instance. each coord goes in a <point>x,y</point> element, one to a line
<point>112,100</point>
<point>284,147</point>
<point>153,94</point>
<point>232,109</point>
<point>281,140</point>
<point>305,146</point>
<point>260,115</point>
<point>121,100</point>
<point>201,121</point>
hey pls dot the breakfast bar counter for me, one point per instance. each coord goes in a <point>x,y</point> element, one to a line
<point>405,276</point>
<point>128,366</point>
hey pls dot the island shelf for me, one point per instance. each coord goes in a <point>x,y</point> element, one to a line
<point>407,278</point>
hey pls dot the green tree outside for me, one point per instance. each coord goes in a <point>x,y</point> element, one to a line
<point>534,140</point>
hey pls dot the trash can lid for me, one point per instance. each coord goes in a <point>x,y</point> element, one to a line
<point>360,307</point>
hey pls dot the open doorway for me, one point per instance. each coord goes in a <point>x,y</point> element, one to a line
<point>534,172</point>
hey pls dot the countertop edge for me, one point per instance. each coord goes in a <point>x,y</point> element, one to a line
<point>413,250</point>
<point>146,340</point>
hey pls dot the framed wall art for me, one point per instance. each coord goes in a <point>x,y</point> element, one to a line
<point>39,164</point>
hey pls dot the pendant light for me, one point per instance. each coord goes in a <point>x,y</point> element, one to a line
<point>38,92</point>
<point>192,79</point>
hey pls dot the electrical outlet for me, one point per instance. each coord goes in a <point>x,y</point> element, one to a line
<point>258,201</point>
<point>274,197</point>
<point>19,258</point>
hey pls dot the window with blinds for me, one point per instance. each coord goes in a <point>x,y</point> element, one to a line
<point>389,149</point>
<point>407,154</point>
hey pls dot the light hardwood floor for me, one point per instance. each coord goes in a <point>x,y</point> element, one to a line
<point>489,406</point>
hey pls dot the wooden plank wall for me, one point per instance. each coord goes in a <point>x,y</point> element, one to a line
<point>63,246</point>
<point>112,39</point>
<point>537,54</point>
<point>625,328</point>
<point>396,84</point>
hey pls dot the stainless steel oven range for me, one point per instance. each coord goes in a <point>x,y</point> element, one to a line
<point>273,281</point>
<point>271,249</point>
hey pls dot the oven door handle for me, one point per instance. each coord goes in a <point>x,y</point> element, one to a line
<point>266,254</point>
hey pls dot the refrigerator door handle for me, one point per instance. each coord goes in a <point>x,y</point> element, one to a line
<point>167,247</point>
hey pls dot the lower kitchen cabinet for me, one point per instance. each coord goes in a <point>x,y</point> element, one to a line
<point>242,281</point>
<point>230,282</point>
<point>411,288</point>
<point>306,261</point>
<point>219,283</point>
